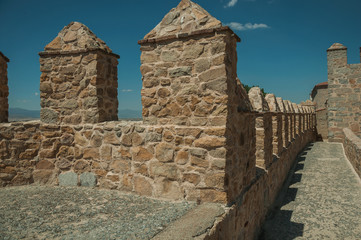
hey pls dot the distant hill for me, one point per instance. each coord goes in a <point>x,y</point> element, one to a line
<point>129,114</point>
<point>19,114</point>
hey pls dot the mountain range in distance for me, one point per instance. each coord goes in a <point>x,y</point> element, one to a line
<point>19,114</point>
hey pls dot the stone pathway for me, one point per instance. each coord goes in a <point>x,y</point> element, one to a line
<point>43,212</point>
<point>322,201</point>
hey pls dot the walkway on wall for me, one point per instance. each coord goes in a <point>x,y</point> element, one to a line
<point>322,201</point>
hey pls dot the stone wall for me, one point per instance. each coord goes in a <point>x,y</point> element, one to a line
<point>19,152</point>
<point>78,83</point>
<point>201,132</point>
<point>352,146</point>
<point>344,90</point>
<point>4,89</point>
<point>245,217</point>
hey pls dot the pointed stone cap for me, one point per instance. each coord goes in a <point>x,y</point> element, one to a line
<point>281,104</point>
<point>295,108</point>
<point>257,99</point>
<point>74,38</point>
<point>337,46</point>
<point>187,19</point>
<point>272,102</point>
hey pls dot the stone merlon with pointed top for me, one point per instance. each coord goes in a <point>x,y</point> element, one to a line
<point>79,79</point>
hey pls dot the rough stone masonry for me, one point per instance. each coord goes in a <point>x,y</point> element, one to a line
<point>79,79</point>
<point>199,133</point>
<point>344,94</point>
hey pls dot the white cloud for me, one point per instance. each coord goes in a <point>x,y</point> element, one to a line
<point>126,90</point>
<point>231,3</point>
<point>36,94</point>
<point>248,26</point>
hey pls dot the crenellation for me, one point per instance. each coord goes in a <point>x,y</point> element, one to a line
<point>202,138</point>
<point>264,132</point>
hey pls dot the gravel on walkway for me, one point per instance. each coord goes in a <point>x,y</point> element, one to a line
<point>323,200</point>
<point>44,212</point>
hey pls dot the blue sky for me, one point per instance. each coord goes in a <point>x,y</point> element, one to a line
<point>283,46</point>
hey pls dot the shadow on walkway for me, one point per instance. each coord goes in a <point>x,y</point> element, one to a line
<point>286,229</point>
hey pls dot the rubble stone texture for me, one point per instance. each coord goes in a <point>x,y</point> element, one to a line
<point>344,96</point>
<point>4,89</point>
<point>78,83</point>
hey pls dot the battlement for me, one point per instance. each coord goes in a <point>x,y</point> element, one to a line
<point>202,138</point>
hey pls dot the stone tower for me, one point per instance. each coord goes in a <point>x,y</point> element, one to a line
<point>78,83</point>
<point>4,89</point>
<point>344,81</point>
<point>188,64</point>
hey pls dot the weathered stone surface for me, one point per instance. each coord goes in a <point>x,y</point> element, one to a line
<point>272,103</point>
<point>43,176</point>
<point>81,166</point>
<point>44,164</point>
<point>182,157</point>
<point>48,116</point>
<point>68,179</point>
<point>169,189</point>
<point>88,179</point>
<point>209,142</point>
<point>168,170</point>
<point>142,186</point>
<point>257,99</point>
<point>164,152</point>
<point>91,153</point>
<point>140,154</point>
<point>180,71</point>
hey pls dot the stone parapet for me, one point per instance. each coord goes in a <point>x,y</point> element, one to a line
<point>352,146</point>
<point>19,152</point>
<point>202,138</point>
